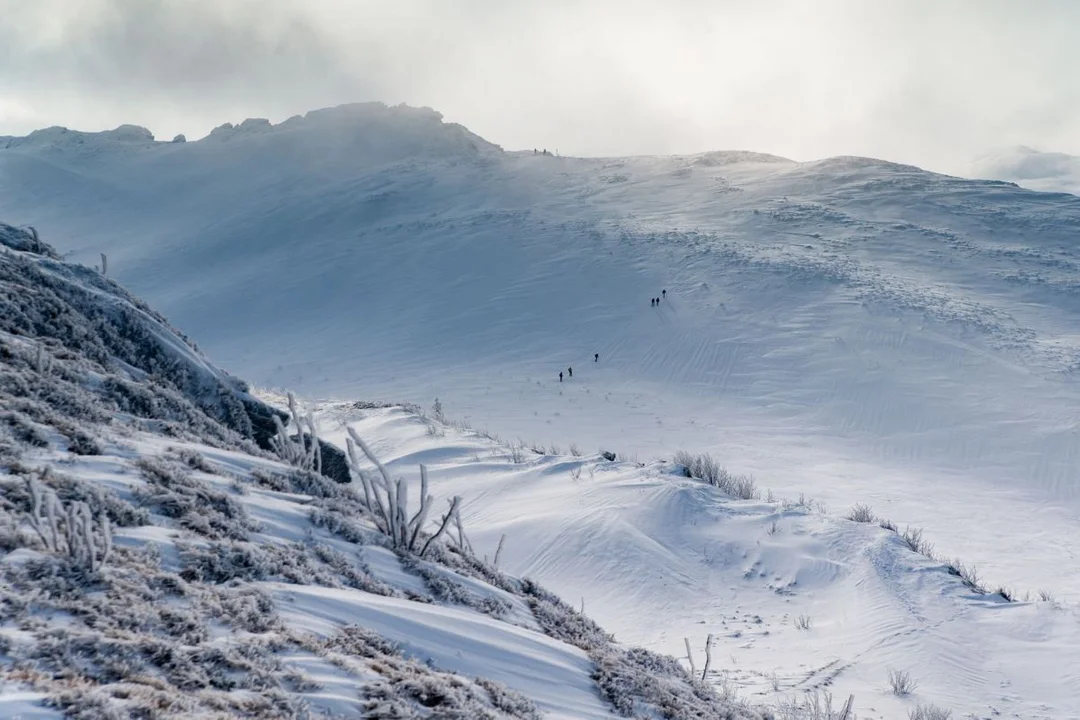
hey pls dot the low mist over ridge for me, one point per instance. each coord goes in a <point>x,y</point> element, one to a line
<point>924,83</point>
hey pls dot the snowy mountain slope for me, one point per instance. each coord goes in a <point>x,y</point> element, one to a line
<point>849,328</point>
<point>157,563</point>
<point>659,558</point>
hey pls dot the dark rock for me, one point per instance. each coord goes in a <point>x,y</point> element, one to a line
<point>262,422</point>
<point>334,463</point>
<point>609,456</point>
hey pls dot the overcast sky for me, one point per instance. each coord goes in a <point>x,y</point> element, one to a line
<point>933,83</point>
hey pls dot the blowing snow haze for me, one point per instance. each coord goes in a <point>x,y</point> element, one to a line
<point>737,372</point>
<point>929,83</point>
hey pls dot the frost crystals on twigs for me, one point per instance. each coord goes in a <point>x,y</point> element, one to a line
<point>388,502</point>
<point>69,530</point>
<point>300,453</point>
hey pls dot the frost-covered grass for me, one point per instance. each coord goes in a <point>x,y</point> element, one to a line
<point>705,467</point>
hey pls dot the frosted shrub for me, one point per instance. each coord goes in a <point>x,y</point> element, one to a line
<point>69,529</point>
<point>196,505</point>
<point>100,499</point>
<point>861,514</point>
<point>445,588</point>
<point>222,562</point>
<point>388,503</point>
<point>929,712</point>
<point>915,541</point>
<point>704,467</point>
<point>303,452</point>
<point>901,683</point>
<point>815,706</point>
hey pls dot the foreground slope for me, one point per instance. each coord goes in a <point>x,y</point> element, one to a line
<point>851,328</point>
<point>157,562</point>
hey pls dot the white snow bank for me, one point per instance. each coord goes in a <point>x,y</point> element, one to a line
<point>554,675</point>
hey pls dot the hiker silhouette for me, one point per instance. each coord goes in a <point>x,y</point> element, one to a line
<point>596,357</point>
<point>570,371</point>
<point>560,377</point>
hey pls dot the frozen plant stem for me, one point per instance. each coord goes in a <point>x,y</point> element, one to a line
<point>708,656</point>
<point>690,657</point>
<point>388,501</point>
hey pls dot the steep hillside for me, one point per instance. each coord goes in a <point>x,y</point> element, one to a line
<point>849,328</point>
<point>157,563</point>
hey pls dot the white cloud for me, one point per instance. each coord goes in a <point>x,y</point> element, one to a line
<point>927,82</point>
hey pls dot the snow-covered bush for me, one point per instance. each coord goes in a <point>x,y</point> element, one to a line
<point>219,562</point>
<point>68,489</point>
<point>929,712</point>
<point>915,541</point>
<point>388,502</point>
<point>69,529</point>
<point>443,587</point>
<point>704,467</point>
<point>303,451</point>
<point>196,505</point>
<point>861,514</point>
<point>901,683</point>
<point>24,429</point>
<point>815,706</point>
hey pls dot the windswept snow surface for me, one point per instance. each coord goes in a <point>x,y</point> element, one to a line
<point>657,558</point>
<point>851,329</point>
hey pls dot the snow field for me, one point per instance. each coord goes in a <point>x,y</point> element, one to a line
<point>658,558</point>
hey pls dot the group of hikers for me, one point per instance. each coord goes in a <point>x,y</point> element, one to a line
<point>654,302</point>
<point>570,370</point>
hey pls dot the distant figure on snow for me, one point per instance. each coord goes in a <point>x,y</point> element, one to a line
<point>560,377</point>
<point>596,357</point>
<point>570,371</point>
<point>664,293</point>
<point>652,302</point>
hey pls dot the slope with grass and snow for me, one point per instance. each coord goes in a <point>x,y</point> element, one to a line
<point>799,603</point>
<point>157,561</point>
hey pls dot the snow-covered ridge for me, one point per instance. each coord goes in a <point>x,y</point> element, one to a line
<point>370,130</point>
